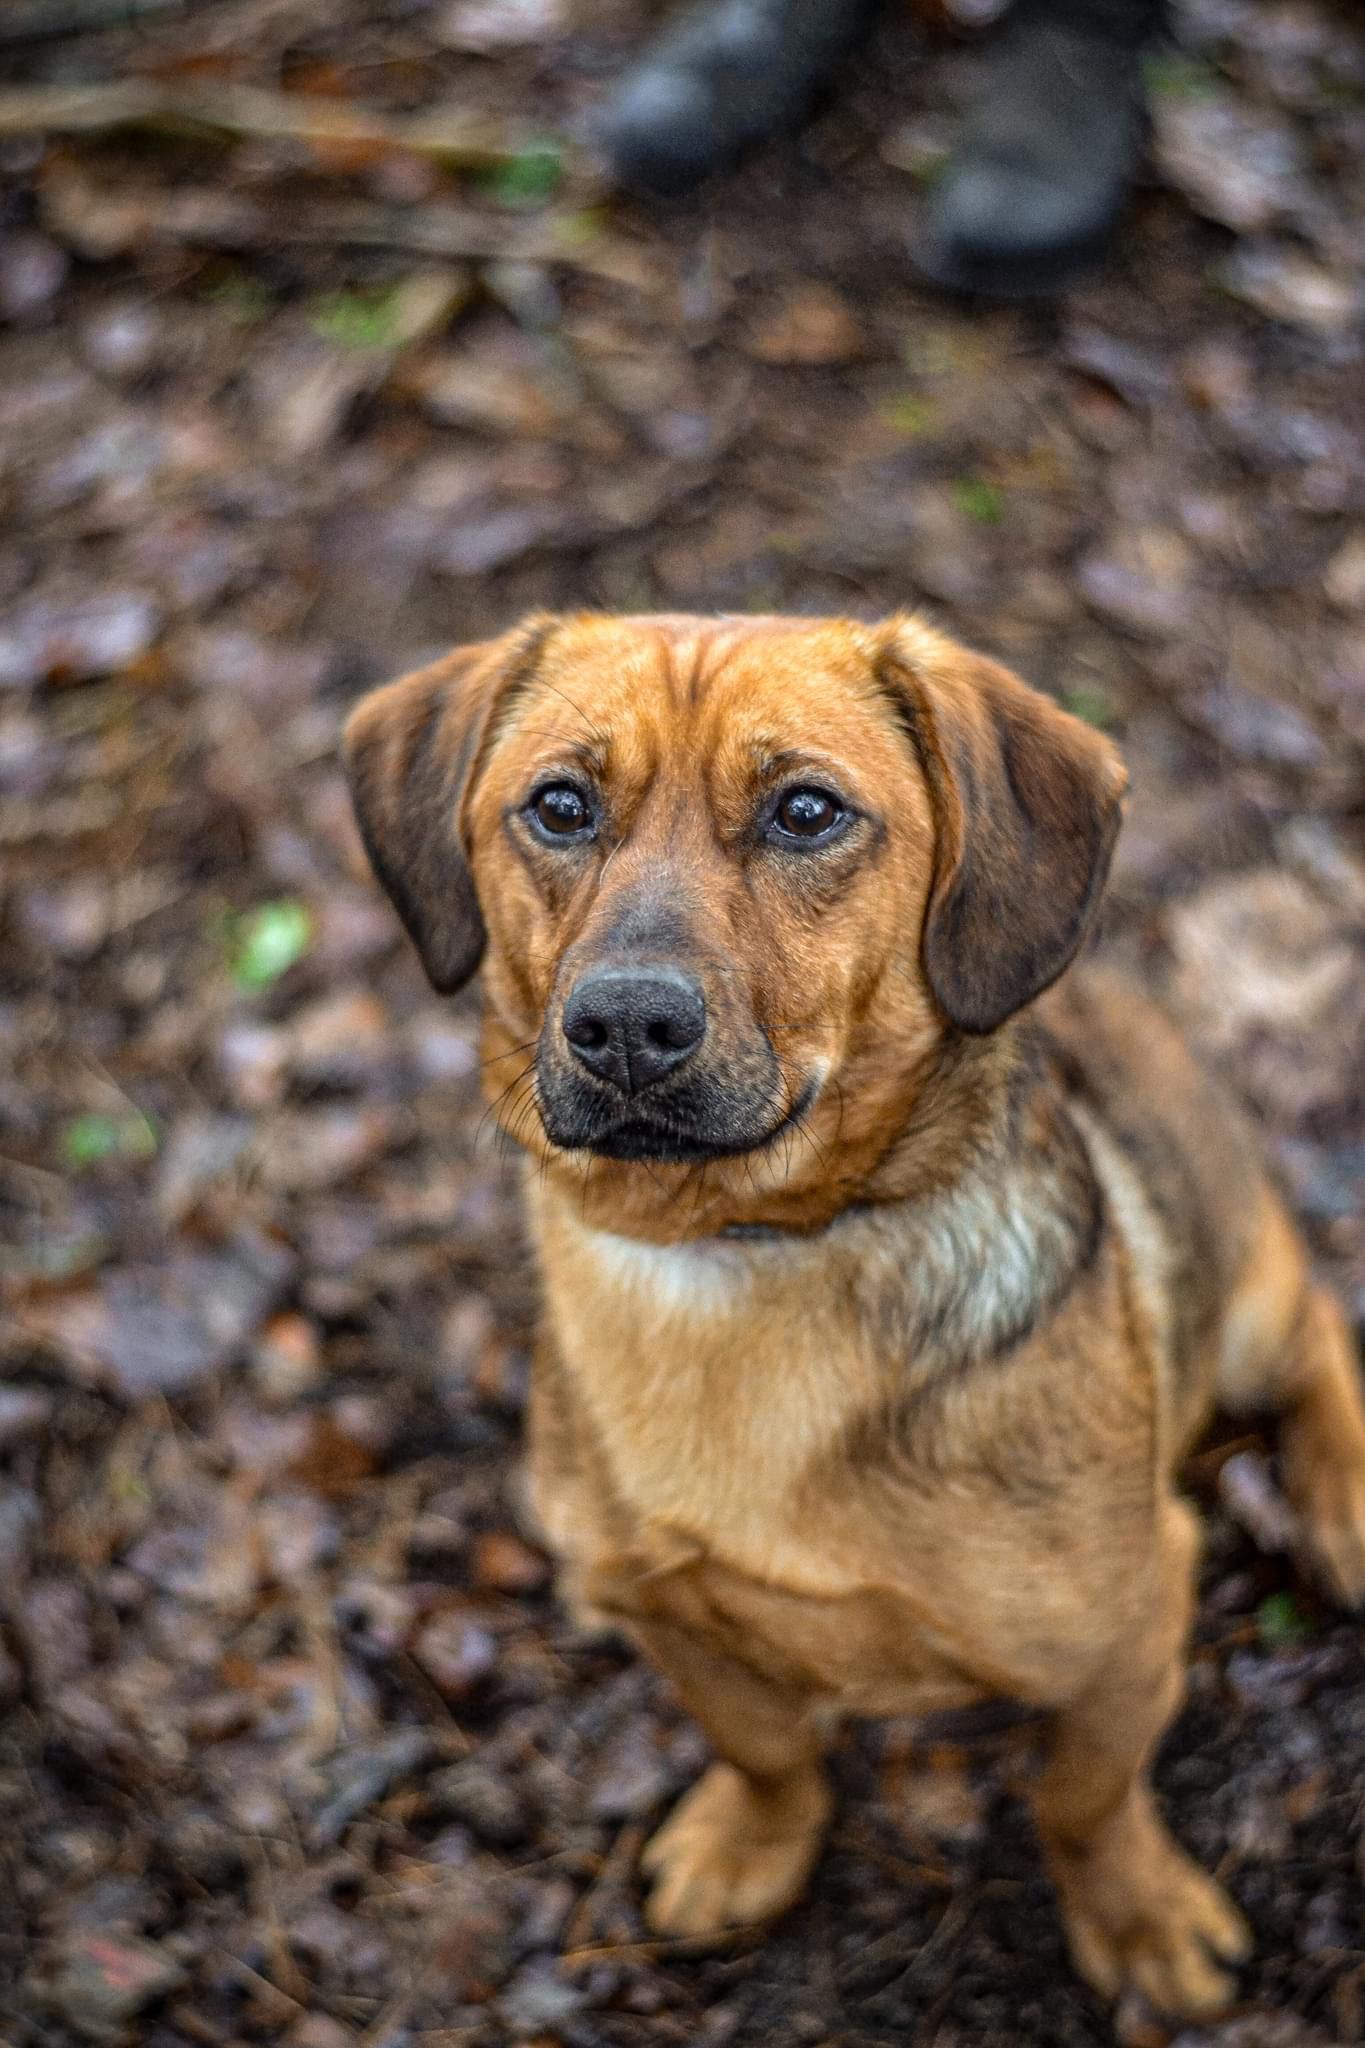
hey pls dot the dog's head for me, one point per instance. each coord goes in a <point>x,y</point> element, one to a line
<point>731,879</point>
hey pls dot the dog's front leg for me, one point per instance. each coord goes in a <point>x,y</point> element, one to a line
<point>1139,1914</point>
<point>740,1845</point>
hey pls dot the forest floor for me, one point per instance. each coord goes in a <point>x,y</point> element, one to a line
<point>295,1745</point>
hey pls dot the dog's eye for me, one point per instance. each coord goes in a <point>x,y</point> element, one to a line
<point>560,810</point>
<point>807,814</point>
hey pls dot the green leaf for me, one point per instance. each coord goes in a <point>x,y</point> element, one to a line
<point>983,502</point>
<point>1281,1623</point>
<point>243,298</point>
<point>909,414</point>
<point>267,941</point>
<point>359,320</point>
<point>575,229</point>
<point>527,179</point>
<point>930,168</point>
<point>88,1140</point>
<point>1171,75</point>
<point>931,352</point>
<point>1092,702</point>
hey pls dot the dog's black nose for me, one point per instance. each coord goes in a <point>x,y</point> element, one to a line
<point>633,1025</point>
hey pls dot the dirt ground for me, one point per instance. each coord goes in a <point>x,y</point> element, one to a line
<point>294,1744</point>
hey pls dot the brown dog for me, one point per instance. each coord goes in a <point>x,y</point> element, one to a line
<point>881,1297</point>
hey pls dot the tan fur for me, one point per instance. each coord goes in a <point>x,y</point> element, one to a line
<point>881,1414</point>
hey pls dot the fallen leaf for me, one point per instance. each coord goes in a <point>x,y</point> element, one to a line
<point>528,178</point>
<point>160,1327</point>
<point>33,270</point>
<point>1284,284</point>
<point>268,941</point>
<point>93,1138</point>
<point>486,25</point>
<point>51,640</point>
<point>1247,1492</point>
<point>456,1652</point>
<point>98,1983</point>
<point>1344,578</point>
<point>1281,1623</point>
<point>359,1775</point>
<point>504,1564</point>
<point>1235,164</point>
<point>812,324</point>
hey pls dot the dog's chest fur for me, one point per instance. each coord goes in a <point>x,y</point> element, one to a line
<point>660,1340</point>
<point>717,1379</point>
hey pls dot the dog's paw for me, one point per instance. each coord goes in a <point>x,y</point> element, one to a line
<point>1167,1935</point>
<point>728,1856</point>
<point>1329,1496</point>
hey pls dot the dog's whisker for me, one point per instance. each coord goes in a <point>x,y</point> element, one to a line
<point>522,1137</point>
<point>511,1052</point>
<point>839,1091</point>
<point>801,1122</point>
<point>654,1177</point>
<point>510,1125</point>
<point>701,1186</point>
<point>498,1100</point>
<point>495,1105</point>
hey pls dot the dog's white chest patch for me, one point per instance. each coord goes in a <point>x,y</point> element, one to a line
<point>712,1376</point>
<point>669,1279</point>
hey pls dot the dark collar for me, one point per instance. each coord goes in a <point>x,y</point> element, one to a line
<point>774,1233</point>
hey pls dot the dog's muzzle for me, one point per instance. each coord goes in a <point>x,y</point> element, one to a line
<point>638,1064</point>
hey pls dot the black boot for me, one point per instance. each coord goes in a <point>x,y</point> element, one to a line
<point>1051,147</point>
<point>727,75</point>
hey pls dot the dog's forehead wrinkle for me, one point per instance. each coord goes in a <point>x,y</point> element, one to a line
<point>586,756</point>
<point>570,692</point>
<point>703,699</point>
<point>690,671</point>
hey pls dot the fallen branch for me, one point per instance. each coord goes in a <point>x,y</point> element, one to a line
<point>227,113</point>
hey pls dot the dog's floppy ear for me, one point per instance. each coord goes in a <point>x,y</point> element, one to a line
<point>411,752</point>
<point>1027,802</point>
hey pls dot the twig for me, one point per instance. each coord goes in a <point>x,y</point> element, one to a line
<point>618,1861</point>
<point>864,1843</point>
<point>666,1945</point>
<point>933,2019</point>
<point>262,1986</point>
<point>101,223</point>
